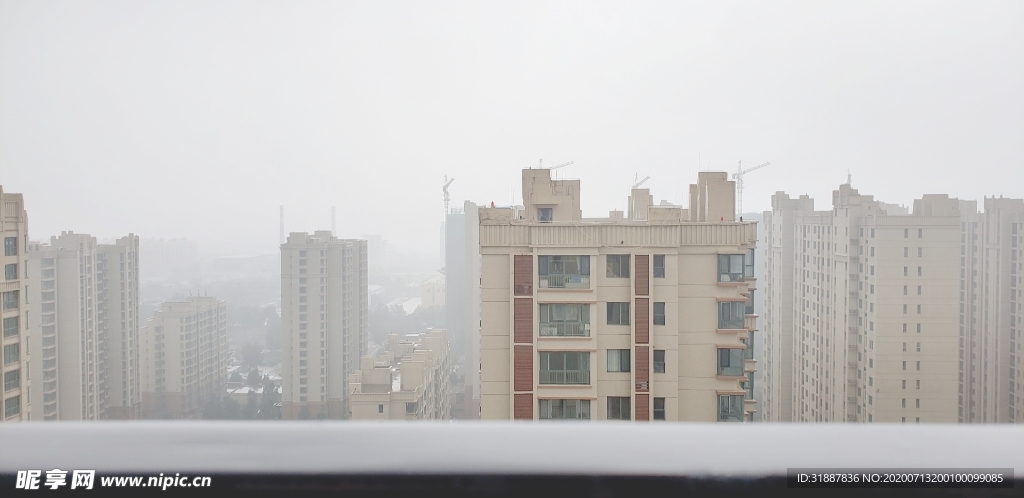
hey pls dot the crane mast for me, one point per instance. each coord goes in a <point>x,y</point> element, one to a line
<point>738,176</point>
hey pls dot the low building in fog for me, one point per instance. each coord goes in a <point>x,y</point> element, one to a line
<point>411,380</point>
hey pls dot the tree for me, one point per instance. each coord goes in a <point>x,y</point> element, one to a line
<point>235,377</point>
<point>253,379</point>
<point>252,355</point>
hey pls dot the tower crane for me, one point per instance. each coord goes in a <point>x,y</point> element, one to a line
<point>637,184</point>
<point>738,176</point>
<point>447,182</point>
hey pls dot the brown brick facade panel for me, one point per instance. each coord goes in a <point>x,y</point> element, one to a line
<point>523,407</point>
<point>523,320</point>
<point>523,275</point>
<point>642,280</point>
<point>643,369</point>
<point>643,407</point>
<point>643,320</point>
<point>523,368</point>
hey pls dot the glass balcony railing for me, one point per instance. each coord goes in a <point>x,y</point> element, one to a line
<point>564,281</point>
<point>564,329</point>
<point>566,377</point>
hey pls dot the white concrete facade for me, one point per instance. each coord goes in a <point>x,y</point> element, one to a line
<point>324,313</point>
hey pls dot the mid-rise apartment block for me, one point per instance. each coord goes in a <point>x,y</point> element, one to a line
<point>87,312</point>
<point>643,315</point>
<point>324,312</point>
<point>185,354</point>
<point>861,310</point>
<point>411,380</point>
<point>14,307</point>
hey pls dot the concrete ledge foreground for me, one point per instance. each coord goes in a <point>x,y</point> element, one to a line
<point>505,448</point>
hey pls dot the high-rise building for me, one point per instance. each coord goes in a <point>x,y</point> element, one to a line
<point>87,311</point>
<point>411,381</point>
<point>645,315</point>
<point>990,310</point>
<point>462,302</point>
<point>324,312</point>
<point>861,310</point>
<point>14,307</point>
<point>184,358</point>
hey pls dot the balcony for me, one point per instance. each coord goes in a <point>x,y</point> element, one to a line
<point>564,281</point>
<point>564,329</point>
<point>565,377</point>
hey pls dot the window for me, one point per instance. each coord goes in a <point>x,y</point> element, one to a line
<point>918,290</point>
<point>380,408</point>
<point>749,385</point>
<point>618,313</point>
<point>919,347</point>
<point>544,214</point>
<point>917,403</point>
<point>919,271</point>
<point>730,408</point>
<point>564,409</point>
<point>564,320</point>
<point>748,264</point>
<point>920,251</point>
<point>730,267</point>
<point>12,353</point>
<point>730,361</point>
<point>411,407</point>
<point>918,384</point>
<point>920,232</point>
<point>659,266</point>
<point>618,408</point>
<point>731,315</point>
<point>906,233</point>
<point>750,302</point>
<point>919,365</point>
<point>618,265</point>
<point>10,246</point>
<point>659,408</point>
<point>12,380</point>
<point>659,361</point>
<point>618,360</point>
<point>10,300</point>
<point>12,406</point>
<point>564,272</point>
<point>659,313</point>
<point>11,271</point>
<point>565,367</point>
<point>10,326</point>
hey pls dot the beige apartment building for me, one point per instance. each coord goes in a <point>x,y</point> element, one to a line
<point>643,315</point>
<point>324,312</point>
<point>184,357</point>
<point>861,310</point>
<point>87,311</point>
<point>14,307</point>
<point>411,381</point>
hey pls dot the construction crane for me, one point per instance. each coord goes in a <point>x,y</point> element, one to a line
<point>541,164</point>
<point>637,184</point>
<point>447,182</point>
<point>738,176</point>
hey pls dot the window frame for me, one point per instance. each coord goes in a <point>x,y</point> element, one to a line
<point>615,310</point>
<point>658,270</point>
<point>582,408</point>
<point>621,406</point>
<point>658,412</point>
<point>620,359</point>
<point>617,265</point>
<point>658,366</point>
<point>658,317</point>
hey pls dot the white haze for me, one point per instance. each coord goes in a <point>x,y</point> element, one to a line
<point>198,119</point>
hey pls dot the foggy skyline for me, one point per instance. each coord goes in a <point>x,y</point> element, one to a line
<point>198,119</point>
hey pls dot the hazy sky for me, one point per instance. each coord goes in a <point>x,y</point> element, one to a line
<point>197,119</point>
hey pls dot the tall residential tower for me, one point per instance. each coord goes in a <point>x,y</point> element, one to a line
<point>324,312</point>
